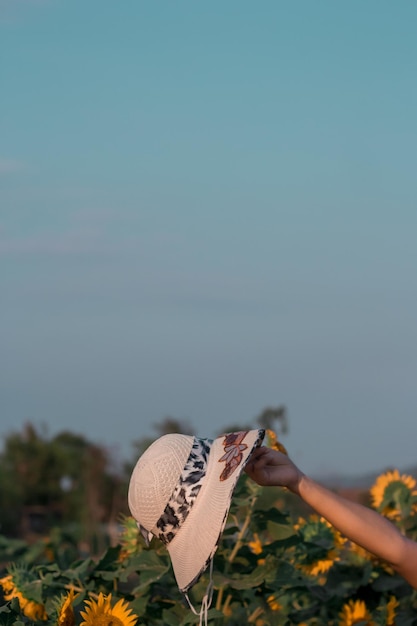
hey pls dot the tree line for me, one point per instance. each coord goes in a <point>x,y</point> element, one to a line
<point>69,481</point>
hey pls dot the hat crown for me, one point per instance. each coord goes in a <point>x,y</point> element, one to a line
<point>155,476</point>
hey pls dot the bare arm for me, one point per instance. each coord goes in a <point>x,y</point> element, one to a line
<point>358,523</point>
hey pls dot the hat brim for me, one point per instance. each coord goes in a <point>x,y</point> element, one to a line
<point>196,542</point>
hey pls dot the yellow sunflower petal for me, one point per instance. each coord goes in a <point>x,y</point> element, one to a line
<point>392,605</point>
<point>122,611</point>
<point>272,441</point>
<point>273,603</point>
<point>255,545</point>
<point>101,613</point>
<point>7,583</point>
<point>355,612</point>
<point>65,610</point>
<point>32,610</point>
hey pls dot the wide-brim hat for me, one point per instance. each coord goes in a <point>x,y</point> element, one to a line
<point>180,491</point>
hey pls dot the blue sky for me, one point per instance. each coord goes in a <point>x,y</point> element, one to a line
<point>207,209</point>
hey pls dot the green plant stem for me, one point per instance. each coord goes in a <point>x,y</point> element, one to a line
<point>235,550</point>
<point>240,536</point>
<point>243,530</point>
<point>219,599</point>
<point>256,613</point>
<point>226,603</point>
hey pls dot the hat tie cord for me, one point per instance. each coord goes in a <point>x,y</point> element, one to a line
<point>206,601</point>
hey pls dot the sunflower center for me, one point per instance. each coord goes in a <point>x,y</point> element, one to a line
<point>66,618</point>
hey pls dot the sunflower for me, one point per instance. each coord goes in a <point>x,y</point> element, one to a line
<point>65,610</point>
<point>11,589</point>
<point>321,566</point>
<point>102,613</point>
<point>318,530</point>
<point>355,612</point>
<point>394,495</point>
<point>129,538</point>
<point>272,441</point>
<point>359,554</point>
<point>392,605</point>
<point>363,554</point>
<point>273,603</point>
<point>256,544</point>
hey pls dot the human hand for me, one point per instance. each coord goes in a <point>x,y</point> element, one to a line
<point>269,467</point>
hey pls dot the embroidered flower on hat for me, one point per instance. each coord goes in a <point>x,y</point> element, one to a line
<point>233,448</point>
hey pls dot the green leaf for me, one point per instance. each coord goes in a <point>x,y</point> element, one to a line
<point>285,575</point>
<point>10,620</point>
<point>79,570</point>
<point>247,581</point>
<point>170,618</point>
<point>9,613</point>
<point>109,559</point>
<point>150,568</point>
<point>344,578</point>
<point>33,591</point>
<point>406,618</point>
<point>387,582</point>
<point>280,531</point>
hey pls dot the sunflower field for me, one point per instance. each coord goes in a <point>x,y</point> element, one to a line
<point>272,568</point>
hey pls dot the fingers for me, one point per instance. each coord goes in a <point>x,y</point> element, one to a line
<point>267,456</point>
<point>255,460</point>
<point>260,464</point>
<point>259,453</point>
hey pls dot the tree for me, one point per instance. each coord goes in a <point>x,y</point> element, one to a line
<point>167,426</point>
<point>45,481</point>
<point>267,418</point>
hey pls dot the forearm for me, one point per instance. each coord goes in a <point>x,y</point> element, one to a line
<point>357,522</point>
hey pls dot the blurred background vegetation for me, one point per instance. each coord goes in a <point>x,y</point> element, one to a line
<point>69,482</point>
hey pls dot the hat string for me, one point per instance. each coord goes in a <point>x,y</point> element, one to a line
<point>206,601</point>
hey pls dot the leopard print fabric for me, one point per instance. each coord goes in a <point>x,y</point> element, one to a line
<point>185,493</point>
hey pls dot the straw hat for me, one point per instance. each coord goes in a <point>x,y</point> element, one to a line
<point>180,491</point>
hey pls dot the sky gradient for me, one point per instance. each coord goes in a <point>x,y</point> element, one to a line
<point>207,209</point>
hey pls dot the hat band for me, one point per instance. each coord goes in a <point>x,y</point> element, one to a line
<point>186,491</point>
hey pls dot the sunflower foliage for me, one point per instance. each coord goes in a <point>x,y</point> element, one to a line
<point>272,568</point>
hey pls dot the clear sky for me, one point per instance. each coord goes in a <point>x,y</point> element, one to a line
<point>207,208</point>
